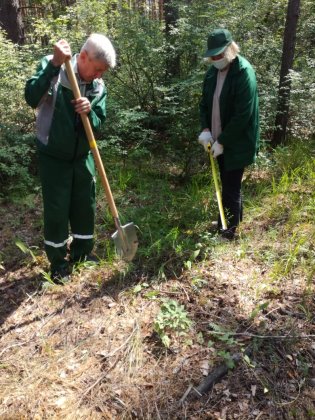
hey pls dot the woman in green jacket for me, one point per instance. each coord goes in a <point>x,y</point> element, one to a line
<point>229,116</point>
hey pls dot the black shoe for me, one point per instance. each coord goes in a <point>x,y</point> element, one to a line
<point>228,234</point>
<point>86,258</point>
<point>92,259</point>
<point>60,276</point>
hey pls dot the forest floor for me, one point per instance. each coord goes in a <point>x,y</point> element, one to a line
<point>89,350</point>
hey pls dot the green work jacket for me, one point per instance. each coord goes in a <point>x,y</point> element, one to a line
<point>60,132</point>
<point>239,112</point>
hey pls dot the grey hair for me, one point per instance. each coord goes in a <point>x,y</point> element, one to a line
<point>101,49</point>
<point>231,51</point>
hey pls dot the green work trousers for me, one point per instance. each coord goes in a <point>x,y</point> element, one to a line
<point>68,189</point>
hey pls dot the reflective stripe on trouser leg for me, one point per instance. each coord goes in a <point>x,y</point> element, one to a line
<point>56,253</point>
<point>82,210</point>
<point>56,178</point>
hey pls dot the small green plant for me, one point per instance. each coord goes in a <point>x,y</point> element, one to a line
<point>222,335</point>
<point>194,255</point>
<point>139,287</point>
<point>48,280</point>
<point>1,263</point>
<point>25,249</point>
<point>259,308</point>
<point>172,318</point>
<point>248,361</point>
<point>197,284</point>
<point>151,295</point>
<point>227,358</point>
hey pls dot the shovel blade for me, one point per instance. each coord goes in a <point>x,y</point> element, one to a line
<point>126,241</point>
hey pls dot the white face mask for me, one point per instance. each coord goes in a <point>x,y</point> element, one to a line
<point>221,64</point>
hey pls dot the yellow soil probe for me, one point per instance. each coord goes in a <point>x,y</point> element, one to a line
<point>217,189</point>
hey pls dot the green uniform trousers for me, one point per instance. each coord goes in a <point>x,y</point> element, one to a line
<point>68,189</point>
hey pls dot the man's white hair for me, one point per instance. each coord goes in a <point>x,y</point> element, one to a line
<point>100,48</point>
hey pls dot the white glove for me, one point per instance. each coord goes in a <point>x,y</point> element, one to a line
<point>205,138</point>
<point>216,149</point>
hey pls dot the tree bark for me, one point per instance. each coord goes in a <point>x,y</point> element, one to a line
<point>11,20</point>
<point>288,50</point>
<point>171,17</point>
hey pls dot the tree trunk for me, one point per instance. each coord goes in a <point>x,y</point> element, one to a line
<point>173,59</point>
<point>288,49</point>
<point>161,9</point>
<point>11,20</point>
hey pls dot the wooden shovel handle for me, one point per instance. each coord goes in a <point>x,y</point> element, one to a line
<point>92,142</point>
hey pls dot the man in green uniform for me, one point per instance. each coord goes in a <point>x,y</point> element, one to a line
<point>229,119</point>
<point>66,165</point>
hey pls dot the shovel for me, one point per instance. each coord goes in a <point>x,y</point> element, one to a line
<point>125,238</point>
<point>217,189</point>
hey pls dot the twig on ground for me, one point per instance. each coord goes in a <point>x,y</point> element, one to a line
<point>186,393</point>
<point>99,380</point>
<point>14,345</point>
<point>281,337</point>
<point>123,344</point>
<point>157,412</point>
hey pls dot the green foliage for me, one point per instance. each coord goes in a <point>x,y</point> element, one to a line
<point>16,148</point>
<point>127,132</point>
<point>221,334</point>
<point>148,110</point>
<point>171,319</point>
<point>12,83</point>
<point>141,69</point>
<point>16,156</point>
<point>227,358</point>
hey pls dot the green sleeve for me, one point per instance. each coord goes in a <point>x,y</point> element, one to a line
<point>39,83</point>
<point>97,115</point>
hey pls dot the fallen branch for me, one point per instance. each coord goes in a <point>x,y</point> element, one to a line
<point>218,373</point>
<point>280,337</point>
<point>214,377</point>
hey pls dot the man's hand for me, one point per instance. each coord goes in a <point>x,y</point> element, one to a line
<point>216,149</point>
<point>82,105</point>
<point>62,52</point>
<point>205,139</point>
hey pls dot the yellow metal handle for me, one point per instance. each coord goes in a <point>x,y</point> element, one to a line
<point>92,142</point>
<point>217,189</point>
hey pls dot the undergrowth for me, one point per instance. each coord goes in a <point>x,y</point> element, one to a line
<point>174,218</point>
<point>185,296</point>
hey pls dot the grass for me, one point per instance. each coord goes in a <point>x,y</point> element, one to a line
<point>95,346</point>
<point>174,218</point>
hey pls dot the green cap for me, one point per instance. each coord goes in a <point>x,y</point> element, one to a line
<point>218,40</point>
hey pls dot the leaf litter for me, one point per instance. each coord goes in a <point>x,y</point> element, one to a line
<point>88,349</point>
